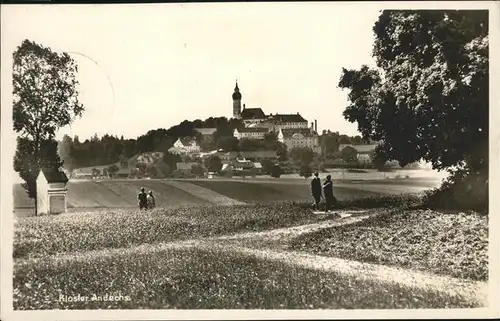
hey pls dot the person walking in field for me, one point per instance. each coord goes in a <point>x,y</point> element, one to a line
<point>151,200</point>
<point>143,199</point>
<point>328,193</point>
<point>316,191</point>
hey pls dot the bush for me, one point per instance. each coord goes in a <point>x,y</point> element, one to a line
<point>305,171</point>
<point>380,201</point>
<point>276,171</point>
<point>462,190</point>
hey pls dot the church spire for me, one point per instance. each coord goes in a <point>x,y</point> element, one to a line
<point>236,101</point>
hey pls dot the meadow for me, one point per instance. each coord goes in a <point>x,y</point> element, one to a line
<point>183,255</point>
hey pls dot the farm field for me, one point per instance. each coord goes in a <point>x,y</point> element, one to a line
<point>84,195</point>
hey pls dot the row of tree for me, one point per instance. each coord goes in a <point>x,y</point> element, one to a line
<point>111,149</point>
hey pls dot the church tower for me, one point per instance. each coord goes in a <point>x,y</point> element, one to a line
<point>236,102</point>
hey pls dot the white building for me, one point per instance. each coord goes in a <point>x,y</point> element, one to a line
<point>185,145</point>
<point>300,137</point>
<point>51,192</point>
<point>364,151</point>
<point>251,133</point>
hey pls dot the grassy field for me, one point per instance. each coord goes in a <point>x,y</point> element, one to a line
<point>131,254</point>
<point>56,234</point>
<point>447,244</point>
<point>88,195</point>
<point>193,279</point>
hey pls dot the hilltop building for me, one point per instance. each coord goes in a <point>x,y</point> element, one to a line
<point>292,129</point>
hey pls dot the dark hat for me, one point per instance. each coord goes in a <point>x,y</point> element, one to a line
<point>316,174</point>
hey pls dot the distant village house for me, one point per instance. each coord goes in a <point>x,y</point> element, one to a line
<point>364,151</point>
<point>185,145</point>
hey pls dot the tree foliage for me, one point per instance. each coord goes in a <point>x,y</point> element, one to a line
<point>45,99</point>
<point>45,91</point>
<point>305,171</point>
<point>276,171</point>
<point>302,155</point>
<point>428,99</point>
<point>349,154</point>
<point>379,158</point>
<point>28,166</point>
<point>213,163</point>
<point>112,170</point>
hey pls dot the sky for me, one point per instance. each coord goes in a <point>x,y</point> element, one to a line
<point>144,67</point>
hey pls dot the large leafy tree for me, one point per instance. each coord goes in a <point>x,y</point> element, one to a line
<point>45,99</point>
<point>428,99</point>
<point>28,166</point>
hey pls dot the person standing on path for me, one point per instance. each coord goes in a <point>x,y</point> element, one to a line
<point>316,190</point>
<point>151,200</point>
<point>143,199</point>
<point>328,193</point>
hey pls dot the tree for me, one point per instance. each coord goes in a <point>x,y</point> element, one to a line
<point>65,152</point>
<point>113,169</point>
<point>428,98</point>
<point>198,170</point>
<point>349,154</point>
<point>95,172</point>
<point>432,82</point>
<point>305,171</point>
<point>267,166</point>
<point>246,144</point>
<point>271,140</point>
<point>329,144</point>
<point>276,171</point>
<point>228,143</point>
<point>379,158</point>
<point>29,167</point>
<point>152,171</point>
<point>45,99</point>
<point>163,169</point>
<point>281,152</point>
<point>105,172</point>
<point>303,155</point>
<point>213,164</point>
<point>171,159</point>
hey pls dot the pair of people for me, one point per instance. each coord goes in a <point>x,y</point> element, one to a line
<point>146,200</point>
<point>326,189</point>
